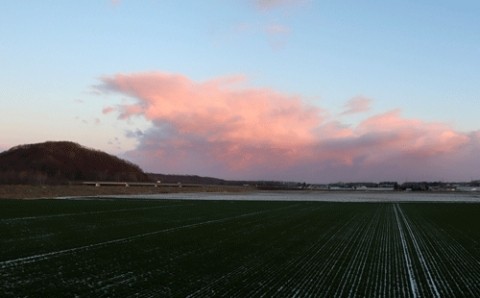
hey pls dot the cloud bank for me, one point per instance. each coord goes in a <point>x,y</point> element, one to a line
<point>223,128</point>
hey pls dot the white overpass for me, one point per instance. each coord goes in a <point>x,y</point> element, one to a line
<point>145,184</point>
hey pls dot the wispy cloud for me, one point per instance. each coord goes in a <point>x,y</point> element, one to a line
<point>108,110</point>
<point>277,32</point>
<point>356,105</point>
<point>277,29</point>
<point>222,128</point>
<point>277,35</point>
<point>272,4</point>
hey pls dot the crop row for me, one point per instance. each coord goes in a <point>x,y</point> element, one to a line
<point>240,249</point>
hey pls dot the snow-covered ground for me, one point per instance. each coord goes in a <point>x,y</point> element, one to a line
<point>373,197</point>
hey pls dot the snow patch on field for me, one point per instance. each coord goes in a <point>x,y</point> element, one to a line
<point>301,196</point>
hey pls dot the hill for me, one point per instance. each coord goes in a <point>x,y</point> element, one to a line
<point>63,162</point>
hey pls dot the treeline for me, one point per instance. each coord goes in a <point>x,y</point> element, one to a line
<point>186,179</point>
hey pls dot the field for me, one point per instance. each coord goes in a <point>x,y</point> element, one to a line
<point>202,248</point>
<point>49,191</point>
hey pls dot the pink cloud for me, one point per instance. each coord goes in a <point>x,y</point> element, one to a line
<point>216,110</point>
<point>223,128</point>
<point>356,105</point>
<point>414,136</point>
<point>108,110</point>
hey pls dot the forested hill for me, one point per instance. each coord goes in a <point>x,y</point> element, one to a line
<point>63,162</point>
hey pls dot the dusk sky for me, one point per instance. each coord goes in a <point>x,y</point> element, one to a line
<point>295,90</point>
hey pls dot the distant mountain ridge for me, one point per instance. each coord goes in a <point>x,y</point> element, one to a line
<point>63,162</point>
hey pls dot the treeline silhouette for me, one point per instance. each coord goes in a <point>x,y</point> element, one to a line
<point>189,179</point>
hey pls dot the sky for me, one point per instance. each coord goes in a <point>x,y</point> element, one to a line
<point>293,90</point>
